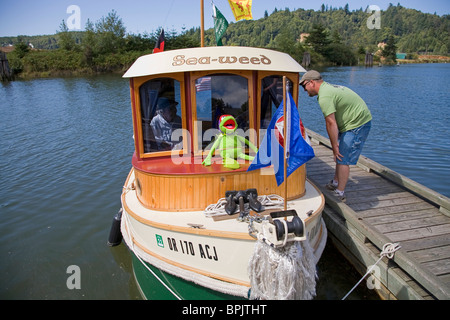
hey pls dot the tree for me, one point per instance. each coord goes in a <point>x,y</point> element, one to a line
<point>285,42</point>
<point>66,40</point>
<point>336,37</point>
<point>21,48</point>
<point>390,50</point>
<point>318,39</point>
<point>111,32</point>
<point>346,9</point>
<point>341,54</point>
<point>89,43</point>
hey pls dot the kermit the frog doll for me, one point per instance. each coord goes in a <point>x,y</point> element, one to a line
<point>229,144</point>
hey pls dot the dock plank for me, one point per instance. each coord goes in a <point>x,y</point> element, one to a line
<point>413,224</point>
<point>392,217</point>
<point>432,254</point>
<point>428,243</point>
<point>419,233</point>
<point>415,207</point>
<point>439,267</point>
<point>407,200</point>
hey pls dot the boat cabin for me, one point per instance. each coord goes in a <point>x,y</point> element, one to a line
<point>178,98</point>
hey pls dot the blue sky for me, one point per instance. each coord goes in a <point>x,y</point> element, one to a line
<point>27,17</point>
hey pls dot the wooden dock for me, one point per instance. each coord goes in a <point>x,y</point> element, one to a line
<point>385,207</point>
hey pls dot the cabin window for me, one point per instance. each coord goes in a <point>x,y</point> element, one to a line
<point>217,95</point>
<point>161,115</point>
<point>271,97</point>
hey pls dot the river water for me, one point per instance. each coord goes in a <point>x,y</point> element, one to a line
<point>65,151</point>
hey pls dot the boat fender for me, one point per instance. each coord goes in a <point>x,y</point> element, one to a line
<point>115,235</point>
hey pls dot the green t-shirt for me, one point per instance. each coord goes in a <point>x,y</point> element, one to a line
<point>350,110</point>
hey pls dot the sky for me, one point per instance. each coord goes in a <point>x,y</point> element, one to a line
<point>43,17</point>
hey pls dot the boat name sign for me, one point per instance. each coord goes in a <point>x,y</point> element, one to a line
<point>187,247</point>
<point>180,60</point>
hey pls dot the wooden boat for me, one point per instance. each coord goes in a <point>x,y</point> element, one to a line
<point>181,247</point>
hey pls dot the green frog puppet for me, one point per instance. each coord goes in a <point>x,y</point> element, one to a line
<point>229,144</point>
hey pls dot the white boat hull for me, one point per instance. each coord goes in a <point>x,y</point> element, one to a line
<point>218,251</point>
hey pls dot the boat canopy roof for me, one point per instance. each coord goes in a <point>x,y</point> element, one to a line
<point>213,59</point>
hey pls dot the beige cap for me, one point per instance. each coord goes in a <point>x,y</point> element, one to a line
<point>311,75</point>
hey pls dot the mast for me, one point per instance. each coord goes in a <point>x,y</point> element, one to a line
<point>285,142</point>
<point>202,24</point>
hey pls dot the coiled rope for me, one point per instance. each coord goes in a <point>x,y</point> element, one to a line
<point>387,251</point>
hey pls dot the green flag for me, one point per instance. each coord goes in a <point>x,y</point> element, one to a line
<point>220,24</point>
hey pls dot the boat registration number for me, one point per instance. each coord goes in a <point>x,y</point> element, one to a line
<point>204,251</point>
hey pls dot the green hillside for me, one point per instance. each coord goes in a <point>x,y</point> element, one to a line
<point>336,36</point>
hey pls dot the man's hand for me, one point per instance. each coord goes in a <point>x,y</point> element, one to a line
<point>333,133</point>
<point>337,154</point>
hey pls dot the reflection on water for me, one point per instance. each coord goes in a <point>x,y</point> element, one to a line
<point>66,150</point>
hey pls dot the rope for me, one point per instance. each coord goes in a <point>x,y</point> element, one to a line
<point>162,282</point>
<point>283,273</point>
<point>387,251</point>
<point>205,281</point>
<point>131,246</point>
<point>168,12</point>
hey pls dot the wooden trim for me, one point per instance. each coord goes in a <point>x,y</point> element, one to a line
<point>322,206</point>
<point>137,146</point>
<point>194,132</point>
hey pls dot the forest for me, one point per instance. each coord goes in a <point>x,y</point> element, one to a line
<point>335,36</point>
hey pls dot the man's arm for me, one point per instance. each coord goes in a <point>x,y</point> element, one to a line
<point>333,133</point>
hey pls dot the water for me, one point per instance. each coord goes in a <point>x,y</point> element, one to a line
<point>66,150</point>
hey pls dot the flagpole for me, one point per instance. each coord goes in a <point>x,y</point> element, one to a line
<point>202,24</point>
<point>284,142</point>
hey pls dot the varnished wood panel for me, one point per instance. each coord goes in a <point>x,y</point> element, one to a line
<point>196,192</point>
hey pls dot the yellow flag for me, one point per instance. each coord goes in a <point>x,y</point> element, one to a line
<point>242,9</point>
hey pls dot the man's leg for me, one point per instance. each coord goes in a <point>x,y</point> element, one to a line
<point>341,175</point>
<point>350,146</point>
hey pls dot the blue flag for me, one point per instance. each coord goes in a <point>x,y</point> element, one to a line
<point>271,150</point>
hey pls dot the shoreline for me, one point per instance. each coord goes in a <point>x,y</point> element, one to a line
<point>426,58</point>
<point>120,70</point>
